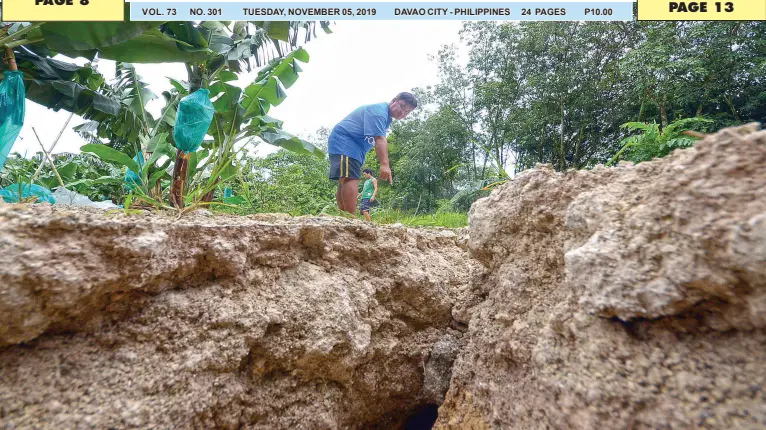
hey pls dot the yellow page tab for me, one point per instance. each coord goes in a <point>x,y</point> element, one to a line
<point>718,10</point>
<point>63,10</point>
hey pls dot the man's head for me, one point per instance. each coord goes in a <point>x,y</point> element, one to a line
<point>367,173</point>
<point>402,105</point>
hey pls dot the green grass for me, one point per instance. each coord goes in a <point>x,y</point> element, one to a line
<point>444,219</point>
<point>379,216</point>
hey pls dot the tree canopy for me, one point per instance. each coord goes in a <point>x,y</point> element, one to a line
<point>560,92</point>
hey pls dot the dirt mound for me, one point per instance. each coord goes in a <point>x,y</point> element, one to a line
<point>632,297</point>
<point>221,322</point>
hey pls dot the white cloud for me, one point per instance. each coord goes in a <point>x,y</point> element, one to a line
<point>361,62</point>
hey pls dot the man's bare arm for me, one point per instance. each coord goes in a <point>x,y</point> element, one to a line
<point>381,149</point>
<point>375,192</point>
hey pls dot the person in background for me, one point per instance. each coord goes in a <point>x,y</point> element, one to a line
<point>354,137</point>
<point>369,191</point>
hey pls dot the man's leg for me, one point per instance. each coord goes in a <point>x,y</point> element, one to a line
<point>366,215</point>
<point>336,173</point>
<point>348,194</point>
<point>338,195</point>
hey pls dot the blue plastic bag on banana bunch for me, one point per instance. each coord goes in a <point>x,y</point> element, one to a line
<point>12,104</point>
<point>195,113</point>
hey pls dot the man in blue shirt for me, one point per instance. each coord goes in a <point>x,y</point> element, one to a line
<point>352,139</point>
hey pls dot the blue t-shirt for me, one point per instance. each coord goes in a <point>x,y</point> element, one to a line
<point>355,135</point>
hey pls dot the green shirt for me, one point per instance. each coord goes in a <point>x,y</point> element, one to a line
<point>368,189</point>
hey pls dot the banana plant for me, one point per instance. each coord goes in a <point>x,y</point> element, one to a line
<point>213,51</point>
<point>132,122</point>
<point>249,41</point>
<point>147,138</point>
<point>60,85</point>
<point>241,117</point>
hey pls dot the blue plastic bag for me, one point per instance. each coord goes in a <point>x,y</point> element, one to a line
<point>12,105</point>
<point>195,113</point>
<point>10,194</point>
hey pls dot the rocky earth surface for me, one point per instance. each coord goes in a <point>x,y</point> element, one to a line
<point>262,322</point>
<point>626,298</point>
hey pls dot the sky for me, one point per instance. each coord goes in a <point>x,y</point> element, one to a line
<point>361,62</point>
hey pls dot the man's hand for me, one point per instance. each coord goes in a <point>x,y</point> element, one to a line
<point>372,199</point>
<point>381,149</point>
<point>385,174</point>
